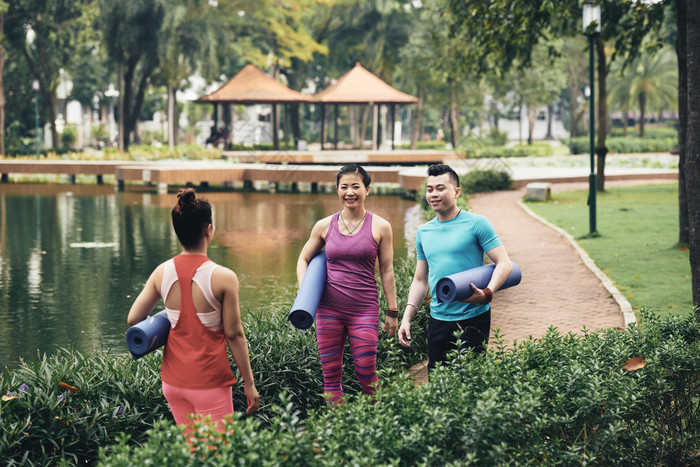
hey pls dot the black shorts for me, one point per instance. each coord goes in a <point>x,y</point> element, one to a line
<point>474,333</point>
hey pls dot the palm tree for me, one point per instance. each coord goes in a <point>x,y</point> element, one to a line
<point>651,81</point>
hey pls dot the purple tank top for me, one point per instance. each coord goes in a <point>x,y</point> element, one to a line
<point>350,260</point>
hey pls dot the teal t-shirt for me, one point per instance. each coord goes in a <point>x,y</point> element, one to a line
<point>450,247</point>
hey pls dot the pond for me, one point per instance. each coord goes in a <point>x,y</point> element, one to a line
<point>74,257</point>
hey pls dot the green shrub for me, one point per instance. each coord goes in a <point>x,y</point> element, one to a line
<point>425,145</point>
<point>117,394</point>
<point>45,422</point>
<point>627,145</point>
<point>557,400</point>
<point>68,136</point>
<point>474,151</point>
<point>496,137</point>
<point>481,181</point>
<point>649,132</point>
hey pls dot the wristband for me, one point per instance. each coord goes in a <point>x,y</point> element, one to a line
<point>411,304</point>
<point>392,313</point>
<point>489,295</point>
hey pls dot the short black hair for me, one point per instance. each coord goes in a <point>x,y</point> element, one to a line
<point>351,169</point>
<point>438,169</point>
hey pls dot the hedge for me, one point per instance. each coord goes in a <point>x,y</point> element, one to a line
<point>44,421</point>
<point>557,400</point>
<point>627,145</point>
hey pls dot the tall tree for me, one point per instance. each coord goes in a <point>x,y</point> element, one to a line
<point>3,10</point>
<point>503,30</point>
<point>650,81</point>
<point>44,32</point>
<point>692,162</point>
<point>130,30</point>
<point>541,83</point>
<point>188,40</point>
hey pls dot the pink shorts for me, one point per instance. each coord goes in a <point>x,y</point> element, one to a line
<point>215,402</point>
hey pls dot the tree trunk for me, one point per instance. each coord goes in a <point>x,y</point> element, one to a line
<point>550,117</point>
<point>575,114</point>
<point>294,121</point>
<point>642,110</point>
<point>363,131</point>
<point>2,88</point>
<point>172,117</point>
<point>417,120</point>
<point>692,162</point>
<point>123,140</point>
<point>354,127</point>
<point>681,52</point>
<point>601,150</point>
<point>531,120</point>
<point>51,99</point>
<point>286,126</point>
<point>133,99</point>
<point>494,113</point>
<point>454,116</point>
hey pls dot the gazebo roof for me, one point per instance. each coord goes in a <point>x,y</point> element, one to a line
<point>253,86</point>
<point>359,86</point>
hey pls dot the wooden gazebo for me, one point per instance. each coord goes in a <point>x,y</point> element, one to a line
<point>359,86</point>
<point>253,86</point>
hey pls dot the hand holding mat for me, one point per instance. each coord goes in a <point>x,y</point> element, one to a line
<point>457,286</point>
<point>306,302</point>
<point>148,335</point>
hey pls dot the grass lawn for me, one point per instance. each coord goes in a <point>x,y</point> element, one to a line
<point>638,244</point>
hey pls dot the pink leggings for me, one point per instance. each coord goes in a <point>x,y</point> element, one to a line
<point>362,327</point>
<point>215,402</point>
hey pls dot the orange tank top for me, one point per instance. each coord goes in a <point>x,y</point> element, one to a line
<point>194,357</point>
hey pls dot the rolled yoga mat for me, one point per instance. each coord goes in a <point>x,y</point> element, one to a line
<point>457,286</point>
<point>306,303</point>
<point>148,335</point>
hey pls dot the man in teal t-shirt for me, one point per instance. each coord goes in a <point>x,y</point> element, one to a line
<point>453,242</point>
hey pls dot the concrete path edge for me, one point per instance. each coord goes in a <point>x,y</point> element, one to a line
<point>627,312</point>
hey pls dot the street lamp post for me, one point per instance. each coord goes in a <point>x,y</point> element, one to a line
<point>591,14</point>
<point>35,87</point>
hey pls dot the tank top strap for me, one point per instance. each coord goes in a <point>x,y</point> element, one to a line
<point>367,225</point>
<point>333,227</point>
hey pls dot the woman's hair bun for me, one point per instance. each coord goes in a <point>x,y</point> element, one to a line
<point>186,198</point>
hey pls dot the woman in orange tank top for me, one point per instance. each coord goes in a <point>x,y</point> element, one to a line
<point>196,372</point>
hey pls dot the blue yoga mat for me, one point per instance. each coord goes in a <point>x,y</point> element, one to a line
<point>148,335</point>
<point>306,303</point>
<point>457,286</point>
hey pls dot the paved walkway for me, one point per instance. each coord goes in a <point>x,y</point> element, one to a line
<point>557,288</point>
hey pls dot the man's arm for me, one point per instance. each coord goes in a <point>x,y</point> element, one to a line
<point>500,258</point>
<point>416,294</point>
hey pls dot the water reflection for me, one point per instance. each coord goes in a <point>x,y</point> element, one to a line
<point>73,258</point>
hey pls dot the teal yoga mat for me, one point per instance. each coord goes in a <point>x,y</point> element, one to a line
<point>306,302</point>
<point>457,286</point>
<point>148,335</point>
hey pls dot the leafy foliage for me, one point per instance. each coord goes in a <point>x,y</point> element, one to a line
<point>481,181</point>
<point>560,399</point>
<point>627,145</point>
<point>116,394</point>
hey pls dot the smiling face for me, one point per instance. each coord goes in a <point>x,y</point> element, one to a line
<point>352,190</point>
<point>441,194</point>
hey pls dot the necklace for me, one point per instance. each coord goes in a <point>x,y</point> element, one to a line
<point>356,225</point>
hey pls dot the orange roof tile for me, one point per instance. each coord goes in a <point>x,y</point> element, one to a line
<point>253,86</point>
<point>360,86</point>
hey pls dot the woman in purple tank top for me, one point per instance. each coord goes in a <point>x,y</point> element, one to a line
<point>354,239</point>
